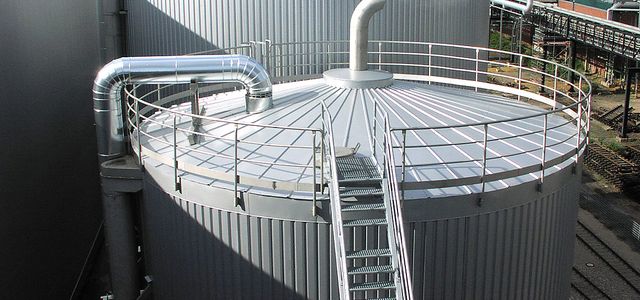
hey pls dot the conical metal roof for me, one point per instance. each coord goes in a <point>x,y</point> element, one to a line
<point>453,149</point>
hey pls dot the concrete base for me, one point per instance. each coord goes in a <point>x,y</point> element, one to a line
<point>370,79</point>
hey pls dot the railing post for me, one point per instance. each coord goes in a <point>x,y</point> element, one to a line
<point>135,98</point>
<point>385,144</point>
<point>430,61</point>
<point>267,47</point>
<point>235,166</point>
<point>322,154</point>
<point>588,116</point>
<point>252,51</point>
<point>404,155</point>
<point>543,158</point>
<point>579,137</point>
<point>555,86</point>
<point>520,76</point>
<point>313,209</point>
<point>379,56</point>
<point>276,63</point>
<point>375,127</point>
<point>128,109</point>
<point>329,56</point>
<point>477,67</point>
<point>484,157</point>
<point>176,178</point>
<point>324,136</point>
<point>158,93</point>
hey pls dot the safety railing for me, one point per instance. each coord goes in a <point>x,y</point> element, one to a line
<point>140,116</point>
<point>394,212</point>
<point>432,63</point>
<point>566,99</point>
<point>335,203</point>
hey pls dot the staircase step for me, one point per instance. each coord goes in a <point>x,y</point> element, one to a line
<point>363,207</point>
<point>370,269</point>
<point>368,253</point>
<point>377,285</point>
<point>364,222</point>
<point>354,192</point>
<point>360,182</point>
<point>356,167</point>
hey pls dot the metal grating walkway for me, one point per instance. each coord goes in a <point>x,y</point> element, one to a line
<point>353,168</point>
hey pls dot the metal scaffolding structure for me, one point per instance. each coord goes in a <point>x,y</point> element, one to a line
<point>614,37</point>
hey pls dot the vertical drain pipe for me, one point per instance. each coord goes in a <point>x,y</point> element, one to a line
<point>119,171</point>
<point>121,244</point>
<point>358,44</point>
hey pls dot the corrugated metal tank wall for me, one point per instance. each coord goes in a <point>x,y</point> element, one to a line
<point>167,27</point>
<point>518,245</point>
<point>171,27</point>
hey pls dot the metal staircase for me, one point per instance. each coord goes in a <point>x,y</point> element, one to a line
<point>363,200</point>
<point>369,270</point>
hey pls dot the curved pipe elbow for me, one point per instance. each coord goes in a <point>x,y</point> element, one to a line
<point>108,85</point>
<point>521,5</point>
<point>359,31</point>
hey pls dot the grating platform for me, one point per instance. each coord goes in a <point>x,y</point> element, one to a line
<point>369,253</point>
<point>353,168</point>
<point>355,192</point>
<point>373,286</point>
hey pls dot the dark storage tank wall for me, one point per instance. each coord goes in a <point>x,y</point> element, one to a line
<point>49,208</point>
<point>523,252</point>
<point>166,27</point>
<point>518,245</point>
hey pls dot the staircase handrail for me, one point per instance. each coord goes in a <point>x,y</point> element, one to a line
<point>396,224</point>
<point>335,203</point>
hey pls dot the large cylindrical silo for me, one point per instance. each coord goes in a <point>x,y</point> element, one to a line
<point>414,179</point>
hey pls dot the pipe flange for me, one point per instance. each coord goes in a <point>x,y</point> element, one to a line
<point>347,79</point>
<point>258,103</point>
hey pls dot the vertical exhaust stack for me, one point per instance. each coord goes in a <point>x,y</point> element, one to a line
<point>358,76</point>
<point>358,60</point>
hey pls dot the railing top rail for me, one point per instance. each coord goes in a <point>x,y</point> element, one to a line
<point>497,51</point>
<point>478,124</point>
<point>213,119</point>
<point>213,51</point>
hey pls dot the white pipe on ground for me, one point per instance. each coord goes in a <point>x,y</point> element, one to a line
<point>523,6</point>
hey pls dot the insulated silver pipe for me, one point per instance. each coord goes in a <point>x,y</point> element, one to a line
<point>523,6</point>
<point>107,88</point>
<point>359,39</point>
